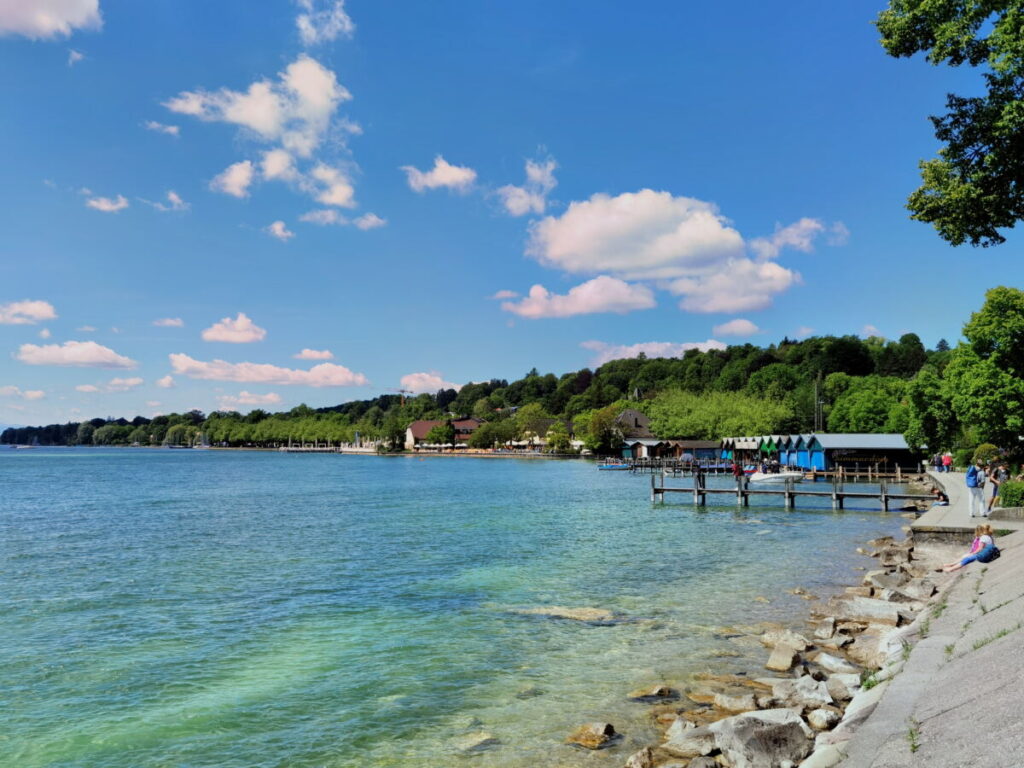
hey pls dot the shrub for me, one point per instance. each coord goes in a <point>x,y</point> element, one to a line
<point>986,452</point>
<point>1011,494</point>
<point>962,457</point>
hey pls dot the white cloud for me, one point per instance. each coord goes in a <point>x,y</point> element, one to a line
<point>869,330</point>
<point>169,322</point>
<point>87,354</point>
<point>45,333</point>
<point>443,174</point>
<point>426,382</point>
<point>231,402</point>
<point>606,352</point>
<point>323,21</point>
<point>323,217</point>
<point>87,388</point>
<point>74,57</point>
<point>314,354</point>
<point>46,19</point>
<point>532,196</point>
<point>241,330</point>
<point>803,332</point>
<point>739,285</point>
<point>234,180</point>
<point>86,328</point>
<point>174,203</point>
<point>799,235</point>
<point>107,204</point>
<point>294,111</point>
<point>152,403</point>
<point>332,187</point>
<point>278,164</point>
<point>278,230</point>
<point>602,294</point>
<point>322,375</point>
<point>170,130</point>
<point>167,382</point>
<point>838,234</point>
<point>369,221</point>
<point>737,327</point>
<point>24,394</point>
<point>641,235</point>
<point>123,385</point>
<point>505,294</point>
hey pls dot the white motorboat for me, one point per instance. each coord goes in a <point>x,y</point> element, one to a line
<point>776,477</point>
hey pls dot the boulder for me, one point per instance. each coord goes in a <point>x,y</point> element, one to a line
<point>837,641</point>
<point>766,739</point>
<point>736,703</point>
<point>893,556</point>
<point>593,735</point>
<point>834,664</point>
<point>684,739</point>
<point>867,610</point>
<point>885,579</point>
<point>702,762</point>
<point>883,542</point>
<point>822,719</point>
<point>642,759</point>
<point>782,658</point>
<point>653,694</point>
<point>475,742</point>
<point>837,689</point>
<point>859,591</point>
<point>590,615</point>
<point>826,628</point>
<point>917,589</point>
<point>793,639</point>
<point>915,570</point>
<point>802,692</point>
<point>529,692</point>
<point>871,649</point>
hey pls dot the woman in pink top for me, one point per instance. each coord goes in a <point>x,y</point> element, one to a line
<point>947,462</point>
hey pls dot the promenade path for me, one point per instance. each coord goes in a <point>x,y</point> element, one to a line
<point>955,519</point>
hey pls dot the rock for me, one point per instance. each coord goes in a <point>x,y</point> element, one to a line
<point>576,614</point>
<point>882,542</point>
<point>642,759</point>
<point>653,694</point>
<point>475,742</point>
<point>915,570</point>
<point>866,609</point>
<point>837,689</point>
<point>870,649</point>
<point>803,692</point>
<point>529,693</point>
<point>837,641</point>
<point>684,739</point>
<point>733,680</point>
<point>859,591</point>
<point>885,579</point>
<point>822,719</point>
<point>834,664</point>
<point>893,556</point>
<point>787,636</point>
<point>766,739</point>
<point>826,628</point>
<point>761,599</point>
<point>593,735</point>
<point>702,762</point>
<point>917,590</point>
<point>782,658</point>
<point>736,703</point>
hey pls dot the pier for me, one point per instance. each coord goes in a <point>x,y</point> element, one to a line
<point>789,492</point>
<point>676,467</point>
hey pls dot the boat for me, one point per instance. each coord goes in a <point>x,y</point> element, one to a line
<point>776,477</point>
<point>613,466</point>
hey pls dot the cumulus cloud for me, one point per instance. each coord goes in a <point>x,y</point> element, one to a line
<point>605,352</point>
<point>234,180</point>
<point>74,57</point>
<point>443,174</point>
<point>108,204</point>
<point>323,375</point>
<point>332,187</point>
<point>87,388</point>
<point>169,322</point>
<point>602,294</point>
<point>740,285</point>
<point>532,196</point>
<point>322,21</point>
<point>86,328</point>
<point>166,382</point>
<point>24,394</point>
<point>241,330</point>
<point>123,385</point>
<point>323,217</point>
<point>231,402</point>
<point>505,294</point>
<point>803,332</point>
<point>295,110</point>
<point>314,354</point>
<point>799,235</point>
<point>737,327</point>
<point>45,333</point>
<point>277,229</point>
<point>27,312</point>
<point>869,330</point>
<point>278,164</point>
<point>48,19</point>
<point>174,202</point>
<point>838,234</point>
<point>426,382</point>
<point>369,221</point>
<point>86,354</point>
<point>170,130</point>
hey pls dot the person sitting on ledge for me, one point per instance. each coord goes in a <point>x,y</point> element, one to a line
<point>941,499</point>
<point>983,549</point>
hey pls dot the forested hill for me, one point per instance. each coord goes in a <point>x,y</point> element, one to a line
<point>743,389</point>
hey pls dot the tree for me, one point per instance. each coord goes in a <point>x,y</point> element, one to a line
<point>714,415</point>
<point>942,346</point>
<point>930,418</point>
<point>558,438</point>
<point>976,185</point>
<point>532,421</point>
<point>600,430</point>
<point>441,434</point>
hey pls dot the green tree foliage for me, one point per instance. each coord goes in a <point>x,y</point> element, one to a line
<point>975,187</point>
<point>532,420</point>
<point>558,438</point>
<point>985,453</point>
<point>931,421</point>
<point>441,434</point>
<point>866,404</point>
<point>709,416</point>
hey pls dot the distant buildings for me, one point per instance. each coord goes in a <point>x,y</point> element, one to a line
<point>824,451</point>
<point>416,433</point>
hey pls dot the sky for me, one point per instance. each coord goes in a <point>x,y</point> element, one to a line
<point>236,205</point>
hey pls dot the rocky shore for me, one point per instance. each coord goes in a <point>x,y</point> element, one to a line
<point>819,685</point>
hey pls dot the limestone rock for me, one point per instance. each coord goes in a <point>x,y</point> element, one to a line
<point>475,742</point>
<point>870,649</point>
<point>736,703</point>
<point>859,591</point>
<point>766,739</point>
<point>885,579</point>
<point>642,759</point>
<point>599,615</point>
<point>826,628</point>
<point>822,719</point>
<point>593,735</point>
<point>837,689</point>
<point>654,693</point>
<point>782,658</point>
<point>803,692</point>
<point>684,739</point>
<point>837,641</point>
<point>793,639</point>
<point>529,692</point>
<point>893,556</point>
<point>702,762</point>
<point>834,664</point>
<point>867,610</point>
<point>882,542</point>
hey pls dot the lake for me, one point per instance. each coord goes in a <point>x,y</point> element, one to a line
<point>230,608</point>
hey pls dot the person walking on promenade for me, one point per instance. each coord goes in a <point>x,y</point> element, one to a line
<point>983,549</point>
<point>937,462</point>
<point>947,461</point>
<point>997,476</point>
<point>976,489</point>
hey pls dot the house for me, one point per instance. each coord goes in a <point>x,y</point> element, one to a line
<point>634,423</point>
<point>824,451</point>
<point>416,433</point>
<point>685,450</point>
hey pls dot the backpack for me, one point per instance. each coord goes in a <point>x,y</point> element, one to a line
<point>992,555</point>
<point>972,477</point>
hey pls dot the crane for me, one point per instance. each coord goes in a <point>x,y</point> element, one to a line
<point>404,392</point>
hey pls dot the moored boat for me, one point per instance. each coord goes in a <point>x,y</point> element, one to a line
<point>777,477</point>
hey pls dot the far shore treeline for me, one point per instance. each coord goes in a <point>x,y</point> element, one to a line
<point>941,399</point>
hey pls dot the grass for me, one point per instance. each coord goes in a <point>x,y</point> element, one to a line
<point>868,680</point>
<point>926,627</point>
<point>939,608</point>
<point>992,638</point>
<point>949,651</point>
<point>914,735</point>
<point>907,647</point>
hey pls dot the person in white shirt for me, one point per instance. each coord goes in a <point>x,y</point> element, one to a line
<point>982,548</point>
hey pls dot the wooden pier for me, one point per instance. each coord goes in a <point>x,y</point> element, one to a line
<point>675,467</point>
<point>742,491</point>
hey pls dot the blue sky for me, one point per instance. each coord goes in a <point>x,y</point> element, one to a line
<point>363,178</point>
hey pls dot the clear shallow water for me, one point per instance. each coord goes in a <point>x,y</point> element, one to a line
<point>180,608</point>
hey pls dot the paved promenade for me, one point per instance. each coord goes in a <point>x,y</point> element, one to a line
<point>956,517</point>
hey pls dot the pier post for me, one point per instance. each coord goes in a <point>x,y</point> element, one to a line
<point>653,494</point>
<point>790,501</point>
<point>884,487</point>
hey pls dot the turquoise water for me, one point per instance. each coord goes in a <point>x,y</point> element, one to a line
<point>208,608</point>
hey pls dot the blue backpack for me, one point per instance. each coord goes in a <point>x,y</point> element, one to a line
<point>972,477</point>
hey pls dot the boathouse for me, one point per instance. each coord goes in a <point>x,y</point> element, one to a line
<point>824,451</point>
<point>684,450</point>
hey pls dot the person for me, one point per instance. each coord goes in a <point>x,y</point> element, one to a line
<point>937,462</point>
<point>982,549</point>
<point>976,489</point>
<point>947,461</point>
<point>941,499</point>
<point>997,476</point>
